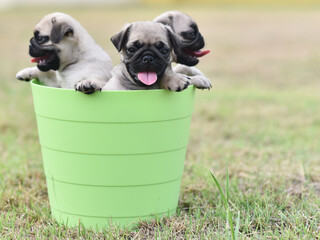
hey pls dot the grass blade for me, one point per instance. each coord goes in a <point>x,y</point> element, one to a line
<point>237,226</point>
<point>220,190</point>
<point>227,185</point>
<point>225,200</point>
<point>230,224</point>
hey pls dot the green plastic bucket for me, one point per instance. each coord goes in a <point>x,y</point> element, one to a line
<point>113,157</point>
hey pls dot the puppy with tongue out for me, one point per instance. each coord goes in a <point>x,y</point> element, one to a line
<point>66,56</point>
<point>146,49</point>
<point>191,50</point>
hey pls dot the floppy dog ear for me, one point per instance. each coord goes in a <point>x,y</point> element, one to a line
<point>120,38</point>
<point>166,20</point>
<point>175,41</point>
<point>59,30</point>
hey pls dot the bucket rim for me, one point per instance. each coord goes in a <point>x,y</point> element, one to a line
<point>36,83</point>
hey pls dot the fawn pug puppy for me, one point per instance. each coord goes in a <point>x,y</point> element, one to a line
<point>192,43</point>
<point>66,56</point>
<point>146,52</point>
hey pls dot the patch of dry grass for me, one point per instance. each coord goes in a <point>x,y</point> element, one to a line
<point>261,118</point>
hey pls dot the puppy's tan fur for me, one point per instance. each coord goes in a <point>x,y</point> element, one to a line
<point>84,65</point>
<point>148,34</point>
<point>181,22</point>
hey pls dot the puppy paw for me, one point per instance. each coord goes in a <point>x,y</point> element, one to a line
<point>25,75</point>
<point>88,86</point>
<point>177,82</point>
<point>201,82</point>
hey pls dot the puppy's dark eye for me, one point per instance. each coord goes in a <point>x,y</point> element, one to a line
<point>164,51</point>
<point>39,38</point>
<point>192,33</point>
<point>42,39</point>
<point>131,50</point>
<point>159,45</point>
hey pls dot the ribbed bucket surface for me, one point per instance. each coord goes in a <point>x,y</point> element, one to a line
<point>112,157</point>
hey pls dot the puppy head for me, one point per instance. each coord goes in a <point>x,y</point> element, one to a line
<point>53,41</point>
<point>187,29</point>
<point>146,49</point>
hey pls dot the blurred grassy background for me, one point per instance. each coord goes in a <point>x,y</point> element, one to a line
<point>262,118</point>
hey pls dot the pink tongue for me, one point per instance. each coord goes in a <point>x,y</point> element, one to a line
<point>35,60</point>
<point>200,53</point>
<point>38,59</point>
<point>148,78</point>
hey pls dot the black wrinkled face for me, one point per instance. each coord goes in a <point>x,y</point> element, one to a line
<point>146,62</point>
<point>46,56</point>
<point>192,41</point>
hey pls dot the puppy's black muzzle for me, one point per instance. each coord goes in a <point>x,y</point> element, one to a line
<point>188,46</point>
<point>47,55</point>
<point>36,50</point>
<point>146,60</point>
<point>195,44</point>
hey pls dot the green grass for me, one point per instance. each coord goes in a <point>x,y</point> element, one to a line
<point>261,119</point>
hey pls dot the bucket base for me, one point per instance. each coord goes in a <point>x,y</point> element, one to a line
<point>97,207</point>
<point>99,223</point>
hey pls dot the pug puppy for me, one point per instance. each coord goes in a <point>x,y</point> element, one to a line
<point>192,43</point>
<point>146,52</point>
<point>66,56</point>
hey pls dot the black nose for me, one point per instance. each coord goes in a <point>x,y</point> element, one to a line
<point>147,59</point>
